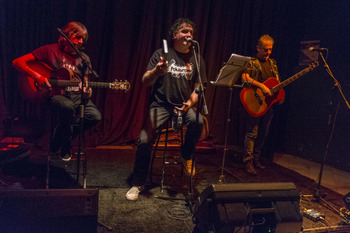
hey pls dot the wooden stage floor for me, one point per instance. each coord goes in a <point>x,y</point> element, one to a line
<point>108,169</point>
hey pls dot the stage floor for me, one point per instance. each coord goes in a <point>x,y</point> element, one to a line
<point>108,169</point>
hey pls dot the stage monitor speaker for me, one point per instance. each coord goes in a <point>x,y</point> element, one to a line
<point>49,210</point>
<point>248,207</point>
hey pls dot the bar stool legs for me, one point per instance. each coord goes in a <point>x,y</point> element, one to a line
<point>165,162</point>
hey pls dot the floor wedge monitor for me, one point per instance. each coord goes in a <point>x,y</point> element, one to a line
<point>248,207</point>
<point>49,210</point>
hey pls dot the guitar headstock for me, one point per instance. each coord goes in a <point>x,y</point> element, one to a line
<point>119,85</point>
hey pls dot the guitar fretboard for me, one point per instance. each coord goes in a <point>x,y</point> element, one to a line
<point>67,83</point>
<point>294,77</point>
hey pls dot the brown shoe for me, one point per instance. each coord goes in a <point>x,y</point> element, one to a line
<point>188,167</point>
<point>257,164</point>
<point>249,168</point>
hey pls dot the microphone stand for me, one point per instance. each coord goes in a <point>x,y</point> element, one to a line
<point>200,93</point>
<point>331,123</point>
<point>229,74</point>
<point>222,178</point>
<point>82,67</point>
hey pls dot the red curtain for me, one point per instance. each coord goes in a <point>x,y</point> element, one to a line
<point>124,34</point>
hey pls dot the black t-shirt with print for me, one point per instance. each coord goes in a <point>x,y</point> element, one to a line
<point>177,85</point>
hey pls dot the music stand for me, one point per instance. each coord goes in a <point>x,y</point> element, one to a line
<point>228,76</point>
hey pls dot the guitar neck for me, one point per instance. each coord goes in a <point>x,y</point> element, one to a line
<point>67,83</point>
<point>60,78</point>
<point>291,79</point>
<point>100,84</point>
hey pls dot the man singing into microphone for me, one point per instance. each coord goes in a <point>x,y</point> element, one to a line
<point>65,104</point>
<point>260,68</point>
<point>174,81</point>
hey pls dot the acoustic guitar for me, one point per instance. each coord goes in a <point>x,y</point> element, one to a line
<point>257,103</point>
<point>59,79</point>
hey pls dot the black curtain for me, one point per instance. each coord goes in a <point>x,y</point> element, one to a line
<point>123,35</point>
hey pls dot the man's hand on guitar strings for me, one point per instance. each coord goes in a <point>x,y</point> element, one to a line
<point>266,90</point>
<point>43,82</point>
<point>86,89</point>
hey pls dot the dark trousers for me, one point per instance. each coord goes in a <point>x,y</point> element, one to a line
<point>66,108</point>
<point>256,130</point>
<point>157,117</point>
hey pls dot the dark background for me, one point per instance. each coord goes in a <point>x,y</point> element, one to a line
<point>124,33</point>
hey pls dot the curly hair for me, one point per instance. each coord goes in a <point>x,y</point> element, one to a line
<point>177,25</point>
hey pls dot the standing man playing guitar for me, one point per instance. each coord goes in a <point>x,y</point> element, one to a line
<point>260,69</point>
<point>65,104</point>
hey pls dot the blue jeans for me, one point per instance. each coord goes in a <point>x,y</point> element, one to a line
<point>256,130</point>
<point>157,117</point>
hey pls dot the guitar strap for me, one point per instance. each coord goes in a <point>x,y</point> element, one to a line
<point>274,69</point>
<point>256,64</point>
<point>256,70</point>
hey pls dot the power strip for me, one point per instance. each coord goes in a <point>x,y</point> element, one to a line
<point>313,215</point>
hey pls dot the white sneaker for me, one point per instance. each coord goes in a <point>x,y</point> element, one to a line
<point>133,193</point>
<point>66,157</point>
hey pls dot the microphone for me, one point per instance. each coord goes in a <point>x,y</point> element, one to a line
<point>176,123</point>
<point>317,49</point>
<point>189,39</point>
<point>165,50</point>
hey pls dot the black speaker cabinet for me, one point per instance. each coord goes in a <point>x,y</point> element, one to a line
<point>49,210</point>
<point>248,207</point>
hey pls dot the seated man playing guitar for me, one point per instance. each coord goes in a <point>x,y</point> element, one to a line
<point>65,103</point>
<point>260,69</point>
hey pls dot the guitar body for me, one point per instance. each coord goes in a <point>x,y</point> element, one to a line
<point>256,103</point>
<point>28,86</point>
